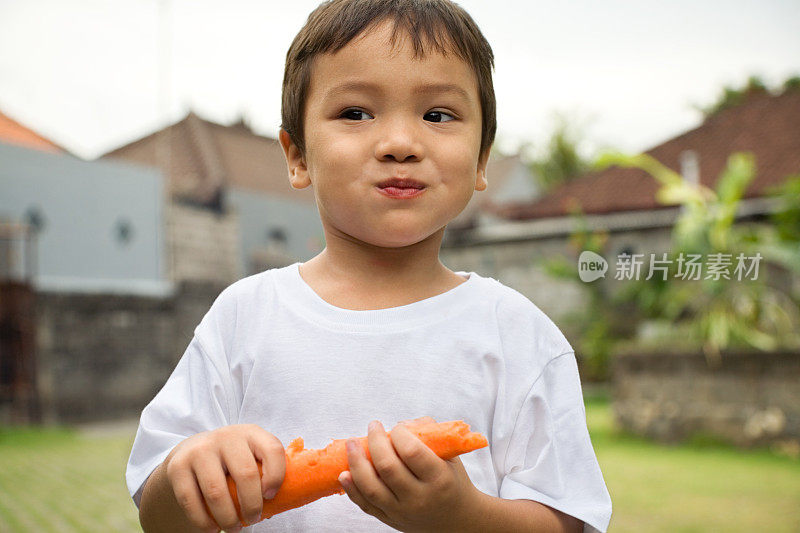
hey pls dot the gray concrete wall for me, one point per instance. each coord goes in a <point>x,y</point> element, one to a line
<point>519,264</point>
<point>104,357</point>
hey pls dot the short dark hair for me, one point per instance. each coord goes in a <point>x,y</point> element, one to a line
<point>442,24</point>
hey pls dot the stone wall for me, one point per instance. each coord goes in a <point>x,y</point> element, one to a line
<point>101,357</point>
<point>749,399</point>
<point>203,245</point>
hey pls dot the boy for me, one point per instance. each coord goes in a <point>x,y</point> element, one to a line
<point>389,115</point>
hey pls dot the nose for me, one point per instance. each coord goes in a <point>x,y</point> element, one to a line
<point>399,141</point>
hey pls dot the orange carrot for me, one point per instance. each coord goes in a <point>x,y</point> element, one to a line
<point>313,474</point>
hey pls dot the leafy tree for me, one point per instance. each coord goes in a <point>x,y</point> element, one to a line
<point>712,314</point>
<point>605,319</point>
<point>787,216</point>
<point>721,312</point>
<point>732,96</point>
<point>561,160</point>
<point>792,83</point>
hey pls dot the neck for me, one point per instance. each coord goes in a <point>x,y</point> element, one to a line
<point>357,265</point>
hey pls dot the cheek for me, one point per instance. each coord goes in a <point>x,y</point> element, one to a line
<point>333,152</point>
<point>459,155</point>
<point>334,170</point>
<point>460,165</point>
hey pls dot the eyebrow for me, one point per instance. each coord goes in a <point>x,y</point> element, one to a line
<point>429,88</point>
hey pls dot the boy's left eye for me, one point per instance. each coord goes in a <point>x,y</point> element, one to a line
<point>438,116</point>
<point>355,114</point>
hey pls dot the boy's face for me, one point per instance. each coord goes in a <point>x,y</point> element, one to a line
<point>374,113</point>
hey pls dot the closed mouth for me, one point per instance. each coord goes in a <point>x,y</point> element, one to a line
<point>401,183</point>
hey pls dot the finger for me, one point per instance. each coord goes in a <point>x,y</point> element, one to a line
<point>189,497</point>
<point>269,450</point>
<point>346,481</point>
<point>365,478</point>
<point>420,460</point>
<point>241,464</point>
<point>389,467</point>
<point>211,479</point>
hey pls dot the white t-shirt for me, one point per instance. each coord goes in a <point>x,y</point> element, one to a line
<point>272,352</point>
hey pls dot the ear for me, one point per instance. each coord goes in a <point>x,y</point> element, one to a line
<point>298,171</point>
<point>481,183</point>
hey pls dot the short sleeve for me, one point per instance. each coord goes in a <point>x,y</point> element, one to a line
<point>550,456</point>
<point>194,399</point>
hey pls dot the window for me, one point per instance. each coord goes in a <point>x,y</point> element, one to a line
<point>35,219</point>
<point>123,231</point>
<point>277,235</point>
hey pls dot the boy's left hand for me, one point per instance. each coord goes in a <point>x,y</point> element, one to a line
<point>410,488</point>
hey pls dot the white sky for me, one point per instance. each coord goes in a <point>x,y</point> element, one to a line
<point>85,73</point>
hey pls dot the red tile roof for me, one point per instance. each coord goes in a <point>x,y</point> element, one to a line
<point>12,132</point>
<point>766,125</point>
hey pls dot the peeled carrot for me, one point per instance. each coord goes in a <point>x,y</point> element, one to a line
<point>314,474</point>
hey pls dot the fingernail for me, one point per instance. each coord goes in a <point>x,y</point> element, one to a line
<point>374,425</point>
<point>270,493</point>
<point>351,445</point>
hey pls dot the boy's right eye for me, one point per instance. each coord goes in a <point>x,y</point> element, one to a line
<point>355,114</point>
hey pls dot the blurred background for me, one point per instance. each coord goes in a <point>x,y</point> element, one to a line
<point>140,176</point>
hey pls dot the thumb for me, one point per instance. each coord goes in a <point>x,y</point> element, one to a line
<point>269,450</point>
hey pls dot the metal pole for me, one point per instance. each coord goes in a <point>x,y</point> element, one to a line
<point>163,140</point>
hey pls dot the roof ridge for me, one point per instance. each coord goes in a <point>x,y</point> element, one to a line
<point>147,136</point>
<point>235,128</point>
<point>754,125</point>
<point>210,159</point>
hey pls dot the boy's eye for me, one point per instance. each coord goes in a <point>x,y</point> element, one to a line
<point>355,114</point>
<point>438,116</point>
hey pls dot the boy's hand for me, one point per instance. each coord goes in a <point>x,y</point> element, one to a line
<point>196,471</point>
<point>410,488</point>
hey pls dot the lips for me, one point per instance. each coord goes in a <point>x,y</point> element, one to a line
<point>401,188</point>
<point>402,183</point>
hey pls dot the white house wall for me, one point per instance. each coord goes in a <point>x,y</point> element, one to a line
<point>260,214</point>
<point>519,186</point>
<point>82,204</point>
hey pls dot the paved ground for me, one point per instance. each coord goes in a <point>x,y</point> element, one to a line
<point>115,428</point>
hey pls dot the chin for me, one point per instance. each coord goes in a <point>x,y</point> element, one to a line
<point>400,242</point>
<point>396,244</point>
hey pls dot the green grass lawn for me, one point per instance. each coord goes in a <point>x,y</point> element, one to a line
<point>692,488</point>
<point>62,481</point>
<point>58,480</point>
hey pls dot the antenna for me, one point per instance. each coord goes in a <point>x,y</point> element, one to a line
<point>163,139</point>
<point>690,166</point>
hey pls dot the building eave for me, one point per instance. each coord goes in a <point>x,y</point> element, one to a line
<point>555,227</point>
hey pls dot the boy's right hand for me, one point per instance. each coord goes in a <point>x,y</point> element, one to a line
<point>197,466</point>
